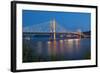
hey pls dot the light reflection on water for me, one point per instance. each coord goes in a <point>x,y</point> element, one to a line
<point>63,45</point>
<point>56,50</point>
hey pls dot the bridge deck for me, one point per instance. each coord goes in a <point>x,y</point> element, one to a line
<point>49,33</point>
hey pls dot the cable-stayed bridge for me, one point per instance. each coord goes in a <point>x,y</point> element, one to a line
<point>51,28</point>
<point>44,27</point>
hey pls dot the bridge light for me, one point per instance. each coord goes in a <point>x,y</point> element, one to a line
<point>61,41</point>
<point>49,42</point>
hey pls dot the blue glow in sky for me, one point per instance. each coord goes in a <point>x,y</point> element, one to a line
<point>69,20</point>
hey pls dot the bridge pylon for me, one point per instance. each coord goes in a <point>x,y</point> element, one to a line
<point>53,28</point>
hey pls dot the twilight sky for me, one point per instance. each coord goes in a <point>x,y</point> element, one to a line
<point>69,20</point>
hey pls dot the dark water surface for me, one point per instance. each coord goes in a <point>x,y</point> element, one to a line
<point>44,49</point>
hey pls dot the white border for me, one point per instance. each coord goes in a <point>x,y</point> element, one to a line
<point>38,65</point>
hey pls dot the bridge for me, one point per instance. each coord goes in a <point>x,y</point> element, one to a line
<point>51,28</point>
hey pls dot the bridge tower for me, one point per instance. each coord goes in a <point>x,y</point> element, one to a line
<point>53,28</point>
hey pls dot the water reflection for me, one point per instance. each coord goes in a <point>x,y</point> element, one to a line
<point>49,47</point>
<point>54,50</point>
<point>70,43</point>
<point>39,47</point>
<point>63,46</point>
<point>77,44</point>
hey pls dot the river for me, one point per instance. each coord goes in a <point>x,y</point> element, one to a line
<point>43,49</point>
